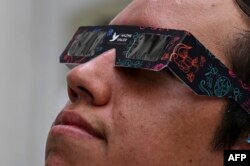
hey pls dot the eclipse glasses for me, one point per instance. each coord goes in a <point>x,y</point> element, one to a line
<point>159,49</point>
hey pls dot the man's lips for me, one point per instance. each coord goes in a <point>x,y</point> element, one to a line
<point>71,120</point>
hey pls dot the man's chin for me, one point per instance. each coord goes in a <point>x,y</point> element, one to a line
<point>53,159</point>
<point>56,151</point>
<point>64,150</point>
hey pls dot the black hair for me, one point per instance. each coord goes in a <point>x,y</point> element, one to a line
<point>235,124</point>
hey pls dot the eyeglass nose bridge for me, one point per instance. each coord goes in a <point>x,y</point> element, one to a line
<point>245,6</point>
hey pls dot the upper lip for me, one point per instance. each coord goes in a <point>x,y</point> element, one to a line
<point>74,119</point>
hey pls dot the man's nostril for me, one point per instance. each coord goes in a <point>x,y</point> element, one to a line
<point>72,95</point>
<point>84,90</point>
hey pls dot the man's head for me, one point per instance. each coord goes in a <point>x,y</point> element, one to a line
<point>136,117</point>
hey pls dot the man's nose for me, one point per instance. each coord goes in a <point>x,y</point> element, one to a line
<point>91,82</point>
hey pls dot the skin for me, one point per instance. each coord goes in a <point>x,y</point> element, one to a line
<point>149,118</point>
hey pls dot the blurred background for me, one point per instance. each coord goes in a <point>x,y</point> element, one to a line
<point>33,33</point>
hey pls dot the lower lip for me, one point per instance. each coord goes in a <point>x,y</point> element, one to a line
<point>71,131</point>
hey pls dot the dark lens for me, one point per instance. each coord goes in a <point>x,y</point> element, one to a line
<point>148,47</point>
<point>86,43</point>
<point>245,6</point>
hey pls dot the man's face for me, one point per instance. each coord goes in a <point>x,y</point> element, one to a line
<point>134,117</point>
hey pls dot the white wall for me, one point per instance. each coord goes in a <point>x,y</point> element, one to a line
<point>33,33</point>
